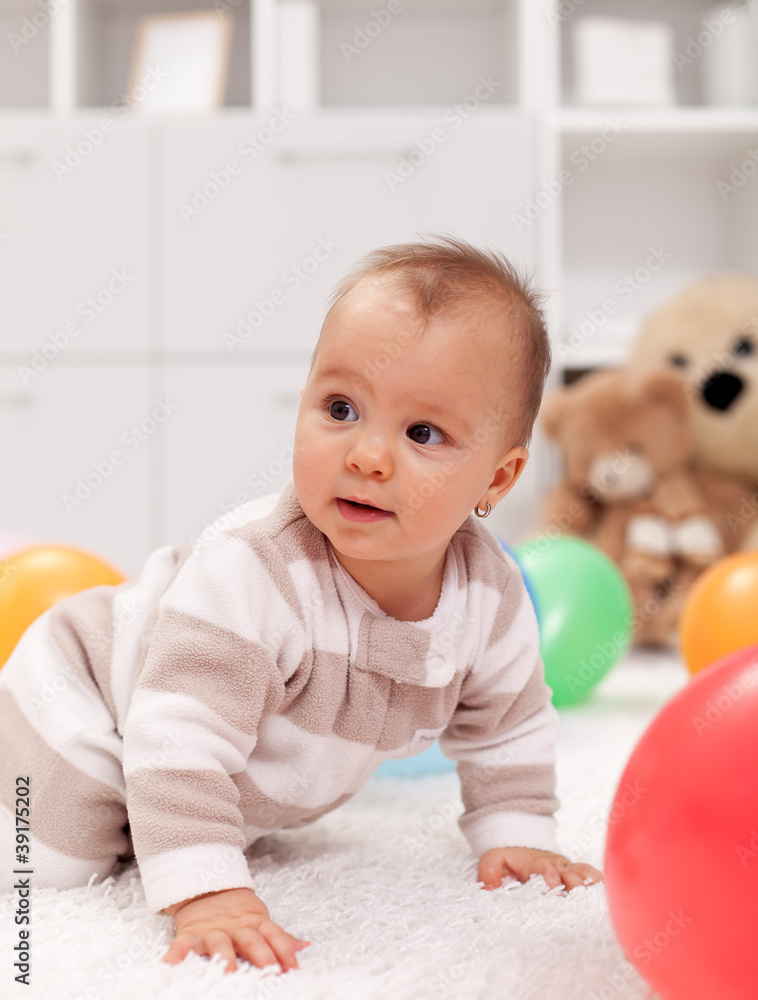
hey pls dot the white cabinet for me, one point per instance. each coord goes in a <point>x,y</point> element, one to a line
<point>74,217</point>
<point>255,244</point>
<point>77,450</point>
<point>230,440</point>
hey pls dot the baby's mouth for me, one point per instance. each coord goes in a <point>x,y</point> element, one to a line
<point>366,506</point>
<point>361,509</point>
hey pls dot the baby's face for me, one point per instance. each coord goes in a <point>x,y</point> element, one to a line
<point>399,433</point>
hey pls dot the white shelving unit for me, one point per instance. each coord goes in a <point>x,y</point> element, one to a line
<point>648,192</point>
<point>399,116</point>
<point>313,54</point>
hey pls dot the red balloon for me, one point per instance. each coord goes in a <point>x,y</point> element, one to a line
<point>681,862</point>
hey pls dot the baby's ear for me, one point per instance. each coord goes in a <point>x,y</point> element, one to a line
<point>552,412</point>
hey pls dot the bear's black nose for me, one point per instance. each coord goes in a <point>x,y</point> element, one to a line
<point>721,390</point>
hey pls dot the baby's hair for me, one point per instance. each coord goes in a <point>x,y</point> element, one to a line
<point>444,273</point>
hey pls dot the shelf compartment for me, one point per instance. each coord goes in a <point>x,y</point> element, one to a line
<point>107,32</point>
<point>643,222</point>
<point>24,66</point>
<point>685,18</point>
<point>424,52</point>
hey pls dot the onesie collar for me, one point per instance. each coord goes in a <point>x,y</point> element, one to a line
<point>439,617</point>
<point>421,653</point>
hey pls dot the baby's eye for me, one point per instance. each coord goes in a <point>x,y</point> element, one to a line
<point>339,409</point>
<point>425,434</point>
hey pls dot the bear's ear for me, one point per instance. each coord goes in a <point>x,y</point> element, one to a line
<point>552,413</point>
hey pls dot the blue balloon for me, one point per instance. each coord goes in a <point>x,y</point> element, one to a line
<point>527,582</point>
<point>429,761</point>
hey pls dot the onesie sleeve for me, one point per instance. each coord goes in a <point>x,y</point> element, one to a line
<point>503,731</point>
<point>209,674</point>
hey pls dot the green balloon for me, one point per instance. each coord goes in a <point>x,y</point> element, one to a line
<point>586,613</point>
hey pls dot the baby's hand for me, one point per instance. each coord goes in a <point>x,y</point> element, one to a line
<point>229,923</point>
<point>522,862</point>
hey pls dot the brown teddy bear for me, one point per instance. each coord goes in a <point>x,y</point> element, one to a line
<point>709,334</point>
<point>630,489</point>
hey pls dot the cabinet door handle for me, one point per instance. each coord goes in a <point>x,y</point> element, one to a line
<point>21,397</point>
<point>19,154</point>
<point>292,153</point>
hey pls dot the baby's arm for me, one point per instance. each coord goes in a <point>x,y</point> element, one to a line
<point>503,736</point>
<point>522,862</point>
<point>230,923</point>
<point>211,672</point>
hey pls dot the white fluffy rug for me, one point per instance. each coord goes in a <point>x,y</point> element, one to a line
<point>385,890</point>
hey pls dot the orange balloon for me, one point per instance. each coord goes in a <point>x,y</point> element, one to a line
<point>35,579</point>
<point>721,613</point>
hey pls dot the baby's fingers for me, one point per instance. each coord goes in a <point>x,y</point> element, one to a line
<point>210,943</point>
<point>571,875</point>
<point>272,940</point>
<point>218,943</point>
<point>252,945</point>
<point>562,876</point>
<point>182,945</point>
<point>588,872</point>
<point>491,867</point>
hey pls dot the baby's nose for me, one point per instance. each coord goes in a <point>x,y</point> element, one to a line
<point>371,454</point>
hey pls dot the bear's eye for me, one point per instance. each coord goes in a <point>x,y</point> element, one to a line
<point>743,347</point>
<point>678,360</point>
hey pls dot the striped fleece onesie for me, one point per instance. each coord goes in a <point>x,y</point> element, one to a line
<point>248,684</point>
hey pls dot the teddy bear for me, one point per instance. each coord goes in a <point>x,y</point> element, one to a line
<point>629,488</point>
<point>708,333</point>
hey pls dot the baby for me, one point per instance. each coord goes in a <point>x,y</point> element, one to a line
<point>257,680</point>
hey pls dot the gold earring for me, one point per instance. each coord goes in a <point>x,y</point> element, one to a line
<point>479,513</point>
